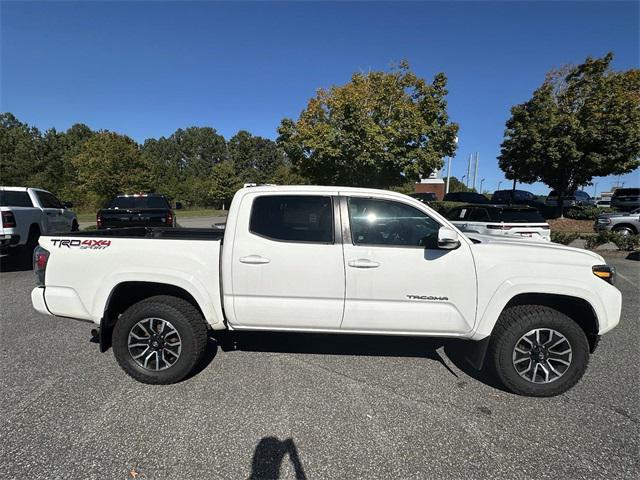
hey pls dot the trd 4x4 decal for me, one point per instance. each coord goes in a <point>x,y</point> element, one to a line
<point>81,244</point>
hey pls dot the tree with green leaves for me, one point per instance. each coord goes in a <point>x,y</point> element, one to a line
<point>256,159</point>
<point>19,150</point>
<point>381,129</point>
<point>182,164</point>
<point>582,122</point>
<point>456,185</point>
<point>108,164</point>
<point>223,184</point>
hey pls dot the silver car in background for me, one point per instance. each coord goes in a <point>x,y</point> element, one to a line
<point>624,223</point>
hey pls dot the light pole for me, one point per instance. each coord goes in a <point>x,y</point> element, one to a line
<point>462,180</point>
<point>499,183</point>
<point>481,182</point>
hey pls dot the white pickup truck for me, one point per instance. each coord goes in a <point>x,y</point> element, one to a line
<point>332,259</point>
<point>26,213</point>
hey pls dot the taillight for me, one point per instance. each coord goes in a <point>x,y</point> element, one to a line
<point>40,259</point>
<point>169,218</point>
<point>99,220</point>
<point>8,219</point>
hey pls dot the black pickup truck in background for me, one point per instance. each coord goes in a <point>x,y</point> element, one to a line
<point>137,210</point>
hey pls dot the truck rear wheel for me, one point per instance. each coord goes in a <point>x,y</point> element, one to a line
<point>538,351</point>
<point>159,340</point>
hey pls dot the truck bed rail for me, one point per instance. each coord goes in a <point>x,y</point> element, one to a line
<point>152,232</point>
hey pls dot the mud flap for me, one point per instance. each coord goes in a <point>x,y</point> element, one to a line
<point>475,352</point>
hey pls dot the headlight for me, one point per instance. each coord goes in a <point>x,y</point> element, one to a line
<point>604,220</point>
<point>605,272</point>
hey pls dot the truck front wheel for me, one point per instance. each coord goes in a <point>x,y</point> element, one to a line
<point>159,340</point>
<point>538,351</point>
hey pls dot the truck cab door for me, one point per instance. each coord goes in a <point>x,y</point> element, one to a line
<point>397,280</point>
<point>287,267</point>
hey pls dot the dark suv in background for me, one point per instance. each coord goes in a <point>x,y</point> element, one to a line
<point>625,199</point>
<point>466,197</point>
<point>424,197</point>
<point>516,197</point>
<point>137,210</point>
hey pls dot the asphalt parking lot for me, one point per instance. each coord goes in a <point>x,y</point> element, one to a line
<point>305,406</point>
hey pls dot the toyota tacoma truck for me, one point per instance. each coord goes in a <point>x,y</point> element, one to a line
<point>337,260</point>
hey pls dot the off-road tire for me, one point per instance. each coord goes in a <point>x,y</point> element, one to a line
<point>184,317</point>
<point>516,321</point>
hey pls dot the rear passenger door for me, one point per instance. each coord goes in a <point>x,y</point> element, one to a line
<point>287,268</point>
<point>53,209</point>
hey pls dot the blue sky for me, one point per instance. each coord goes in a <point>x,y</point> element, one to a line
<point>147,68</point>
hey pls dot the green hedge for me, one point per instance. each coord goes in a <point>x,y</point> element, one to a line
<point>564,238</point>
<point>585,213</point>
<point>627,243</point>
<point>592,240</point>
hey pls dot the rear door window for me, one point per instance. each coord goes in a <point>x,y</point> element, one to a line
<point>293,218</point>
<point>9,198</point>
<point>47,200</point>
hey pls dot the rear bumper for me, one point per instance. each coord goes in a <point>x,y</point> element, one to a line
<point>8,239</point>
<point>38,302</point>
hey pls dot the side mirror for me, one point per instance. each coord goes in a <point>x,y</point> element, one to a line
<point>67,204</point>
<point>178,205</point>
<point>448,239</point>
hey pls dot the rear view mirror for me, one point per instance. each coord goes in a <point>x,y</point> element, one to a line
<point>178,205</point>
<point>67,204</point>
<point>448,239</point>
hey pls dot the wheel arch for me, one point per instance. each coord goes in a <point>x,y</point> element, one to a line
<point>126,294</point>
<point>576,308</point>
<point>630,226</point>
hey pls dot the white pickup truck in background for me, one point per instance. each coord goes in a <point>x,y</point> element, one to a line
<point>338,260</point>
<point>27,213</point>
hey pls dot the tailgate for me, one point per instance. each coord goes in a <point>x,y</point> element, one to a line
<point>134,218</point>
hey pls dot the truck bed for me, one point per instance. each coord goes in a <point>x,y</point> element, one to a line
<point>84,268</point>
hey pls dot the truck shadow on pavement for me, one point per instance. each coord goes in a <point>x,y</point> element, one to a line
<point>269,455</point>
<point>358,345</point>
<point>15,263</point>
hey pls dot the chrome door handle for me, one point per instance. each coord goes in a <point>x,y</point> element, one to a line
<point>254,260</point>
<point>363,263</point>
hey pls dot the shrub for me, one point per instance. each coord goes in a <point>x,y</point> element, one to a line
<point>626,243</point>
<point>564,238</point>
<point>443,207</point>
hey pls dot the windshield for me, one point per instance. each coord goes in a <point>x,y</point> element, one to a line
<point>516,216</point>
<point>139,202</point>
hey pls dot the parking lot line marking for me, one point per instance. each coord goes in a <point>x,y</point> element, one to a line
<point>626,279</point>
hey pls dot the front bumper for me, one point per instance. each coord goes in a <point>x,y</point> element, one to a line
<point>38,302</point>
